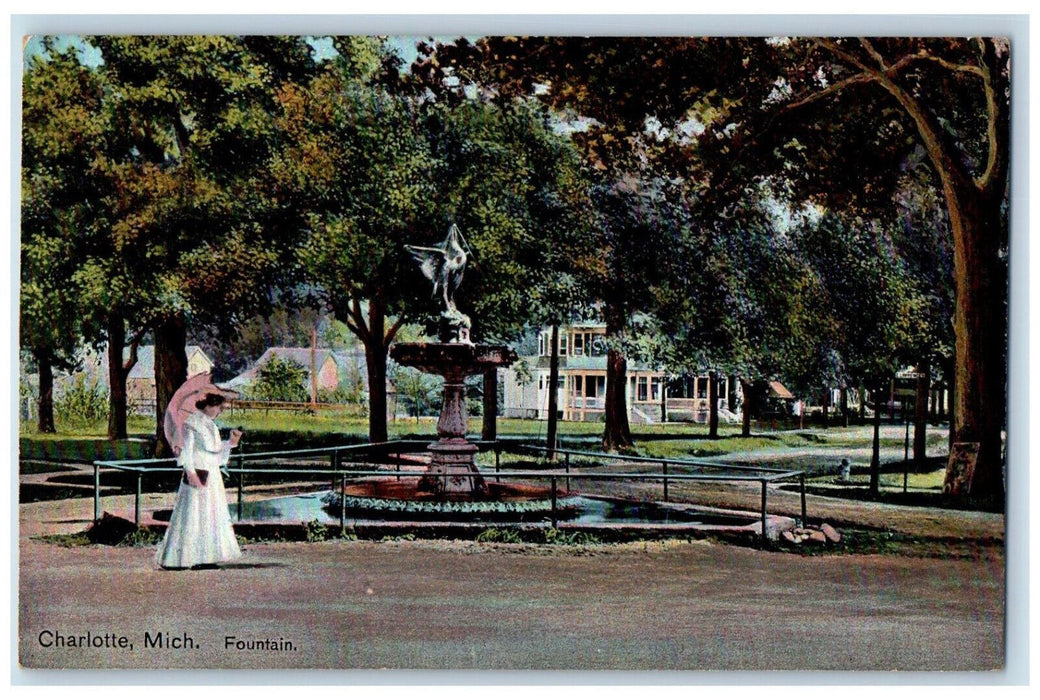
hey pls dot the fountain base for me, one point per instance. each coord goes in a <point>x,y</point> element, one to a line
<point>452,470</point>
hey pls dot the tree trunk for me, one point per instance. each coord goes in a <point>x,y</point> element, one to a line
<point>980,328</point>
<point>951,383</point>
<point>118,373</point>
<point>553,395</point>
<point>746,408</point>
<point>171,370</point>
<point>617,433</point>
<point>713,404</point>
<point>375,358</point>
<point>45,405</point>
<point>826,405</point>
<point>875,454</point>
<point>489,427</point>
<point>862,391</point>
<point>844,402</point>
<point>921,413</point>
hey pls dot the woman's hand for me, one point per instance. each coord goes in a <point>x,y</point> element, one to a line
<point>194,480</point>
<point>236,435</point>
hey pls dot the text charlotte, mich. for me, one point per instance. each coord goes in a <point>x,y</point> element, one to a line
<point>158,639</point>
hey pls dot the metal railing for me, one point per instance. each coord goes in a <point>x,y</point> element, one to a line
<point>340,470</point>
<point>765,475</point>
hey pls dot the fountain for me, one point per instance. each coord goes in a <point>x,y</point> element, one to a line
<point>451,496</point>
<point>452,471</point>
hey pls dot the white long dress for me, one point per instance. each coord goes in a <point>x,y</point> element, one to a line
<point>200,529</point>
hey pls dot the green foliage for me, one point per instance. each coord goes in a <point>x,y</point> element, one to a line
<point>554,535</point>
<point>281,379</point>
<point>315,531</point>
<point>82,403</point>
<point>406,537</point>
<point>495,534</point>
<point>344,394</point>
<point>419,393</point>
<point>141,538</point>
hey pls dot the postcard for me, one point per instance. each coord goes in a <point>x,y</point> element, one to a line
<point>503,351</point>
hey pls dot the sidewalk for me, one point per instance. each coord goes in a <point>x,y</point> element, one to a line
<point>464,605</point>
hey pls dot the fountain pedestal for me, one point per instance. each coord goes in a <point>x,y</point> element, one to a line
<point>452,470</point>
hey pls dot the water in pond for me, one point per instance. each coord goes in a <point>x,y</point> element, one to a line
<point>584,511</point>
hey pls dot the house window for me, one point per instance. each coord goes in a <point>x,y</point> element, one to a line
<point>599,345</point>
<point>577,385</point>
<point>592,386</point>
<point>655,389</point>
<point>563,344</point>
<point>702,387</point>
<point>642,389</point>
<point>579,344</point>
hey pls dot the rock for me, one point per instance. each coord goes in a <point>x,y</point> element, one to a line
<point>830,533</point>
<point>817,537</point>
<point>789,536</point>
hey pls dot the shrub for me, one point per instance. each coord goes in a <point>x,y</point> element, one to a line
<point>556,536</point>
<point>316,532</point>
<point>494,534</point>
<point>281,380</point>
<point>82,403</point>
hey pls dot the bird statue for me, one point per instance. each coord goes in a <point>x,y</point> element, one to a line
<point>443,265</point>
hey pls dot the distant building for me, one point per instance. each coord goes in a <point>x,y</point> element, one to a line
<point>582,386</point>
<point>331,369</point>
<point>140,383</point>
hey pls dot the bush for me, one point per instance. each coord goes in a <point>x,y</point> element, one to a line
<point>82,403</point>
<point>316,532</point>
<point>494,534</point>
<point>281,380</point>
<point>556,536</point>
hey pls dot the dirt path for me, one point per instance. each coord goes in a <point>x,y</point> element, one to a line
<point>464,605</point>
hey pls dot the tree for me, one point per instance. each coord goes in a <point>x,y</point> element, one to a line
<point>941,101</point>
<point>61,132</point>
<point>355,156</point>
<point>835,121</point>
<point>381,169</point>
<point>191,219</point>
<point>282,379</point>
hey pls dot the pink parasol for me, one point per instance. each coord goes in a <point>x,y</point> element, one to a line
<point>182,405</point>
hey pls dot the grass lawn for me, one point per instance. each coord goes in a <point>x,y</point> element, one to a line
<point>289,430</point>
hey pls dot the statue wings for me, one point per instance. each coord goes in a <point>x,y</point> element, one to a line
<point>444,265</point>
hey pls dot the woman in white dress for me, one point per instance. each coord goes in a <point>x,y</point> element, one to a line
<point>200,532</point>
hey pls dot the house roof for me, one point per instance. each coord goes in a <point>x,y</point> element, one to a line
<point>301,356</point>
<point>779,391</point>
<point>145,366</point>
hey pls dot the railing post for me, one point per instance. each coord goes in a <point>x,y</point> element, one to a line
<point>567,469</point>
<point>498,454</point>
<point>664,473</point>
<point>342,501</point>
<point>801,480</point>
<point>764,537</point>
<point>137,501</point>
<point>97,492</point>
<point>554,502</point>
<point>241,480</point>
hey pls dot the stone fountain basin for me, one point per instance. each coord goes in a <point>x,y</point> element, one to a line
<point>435,358</point>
